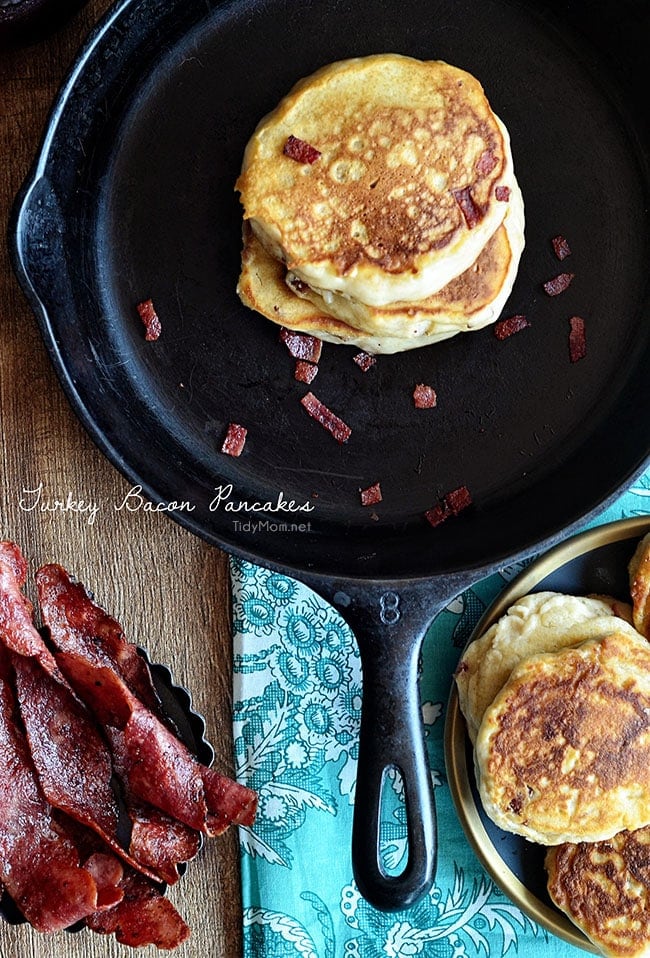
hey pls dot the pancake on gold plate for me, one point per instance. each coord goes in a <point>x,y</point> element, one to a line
<point>639,570</point>
<point>563,752</point>
<point>402,196</point>
<point>539,622</point>
<point>471,301</point>
<point>604,888</point>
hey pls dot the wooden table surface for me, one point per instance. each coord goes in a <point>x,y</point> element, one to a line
<point>169,590</point>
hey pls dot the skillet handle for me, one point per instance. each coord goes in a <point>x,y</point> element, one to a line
<point>390,623</point>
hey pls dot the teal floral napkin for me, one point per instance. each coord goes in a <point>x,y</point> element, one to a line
<point>297,706</point>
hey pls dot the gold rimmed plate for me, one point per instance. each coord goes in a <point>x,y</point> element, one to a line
<point>592,562</point>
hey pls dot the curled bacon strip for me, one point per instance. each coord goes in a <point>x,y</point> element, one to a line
<point>39,861</point>
<point>143,917</point>
<point>154,764</point>
<point>17,629</point>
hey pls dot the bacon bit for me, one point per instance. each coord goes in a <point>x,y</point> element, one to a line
<point>560,247</point>
<point>326,418</point>
<point>297,285</point>
<point>471,212</point>
<point>458,499</point>
<point>370,496</point>
<point>577,339</point>
<point>502,193</point>
<point>305,372</point>
<point>424,397</point>
<point>558,284</point>
<point>300,150</point>
<point>301,345</point>
<point>450,505</point>
<point>364,361</point>
<point>486,162</point>
<point>233,444</point>
<point>511,324</point>
<point>149,317</point>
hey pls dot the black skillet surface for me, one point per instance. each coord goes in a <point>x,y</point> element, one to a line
<point>132,197</point>
<point>594,562</point>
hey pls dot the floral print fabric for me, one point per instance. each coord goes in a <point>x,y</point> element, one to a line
<point>297,708</point>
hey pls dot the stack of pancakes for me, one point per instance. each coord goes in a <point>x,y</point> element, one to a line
<point>556,696</point>
<point>399,223</point>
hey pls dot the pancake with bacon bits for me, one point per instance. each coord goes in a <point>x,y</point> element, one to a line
<point>471,301</point>
<point>604,888</point>
<point>380,178</point>
<point>538,622</point>
<point>563,752</point>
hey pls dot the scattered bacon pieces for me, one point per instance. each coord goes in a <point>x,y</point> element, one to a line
<point>472,213</point>
<point>235,440</point>
<point>561,247</point>
<point>502,193</point>
<point>301,345</point>
<point>371,496</point>
<point>326,418</point>
<point>577,339</point>
<point>305,372</point>
<point>300,150</point>
<point>458,499</point>
<point>450,505</point>
<point>486,162</point>
<point>510,325</point>
<point>150,319</point>
<point>558,284</point>
<point>424,397</point>
<point>364,361</point>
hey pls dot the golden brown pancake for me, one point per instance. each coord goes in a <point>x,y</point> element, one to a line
<point>563,752</point>
<point>639,570</point>
<point>403,196</point>
<point>469,302</point>
<point>604,888</point>
<point>535,623</point>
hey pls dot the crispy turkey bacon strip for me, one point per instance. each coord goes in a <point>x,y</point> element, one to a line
<point>65,742</point>
<point>155,766</point>
<point>17,629</point>
<point>39,862</point>
<point>72,760</point>
<point>143,917</point>
<point>70,609</point>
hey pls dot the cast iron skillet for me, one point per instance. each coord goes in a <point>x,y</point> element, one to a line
<point>132,197</point>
